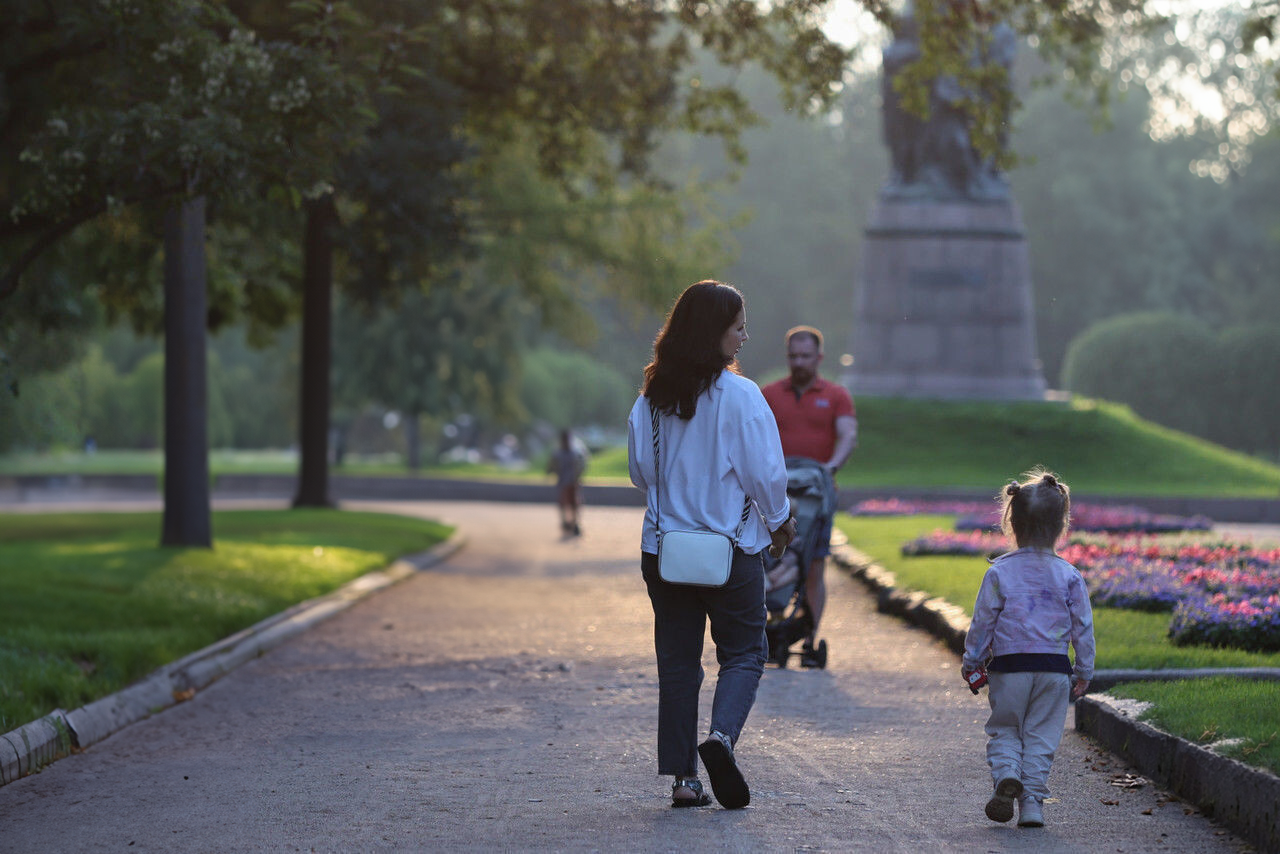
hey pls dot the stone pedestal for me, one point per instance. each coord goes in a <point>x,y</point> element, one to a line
<point>944,306</point>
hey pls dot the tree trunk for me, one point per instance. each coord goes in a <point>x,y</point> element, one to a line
<point>317,321</point>
<point>187,514</point>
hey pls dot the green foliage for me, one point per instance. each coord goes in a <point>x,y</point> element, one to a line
<point>454,340</point>
<point>637,242</point>
<point>1159,363</point>
<point>443,351</point>
<point>571,389</point>
<point>1116,223</point>
<point>42,409</point>
<point>91,604</point>
<point>114,394</point>
<point>1246,402</point>
<point>1173,370</point>
<point>1238,712</point>
<point>42,330</point>
<point>113,103</point>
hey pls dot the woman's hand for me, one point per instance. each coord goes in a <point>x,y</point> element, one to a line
<point>782,537</point>
<point>1080,688</point>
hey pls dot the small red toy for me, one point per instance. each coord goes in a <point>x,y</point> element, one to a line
<point>977,679</point>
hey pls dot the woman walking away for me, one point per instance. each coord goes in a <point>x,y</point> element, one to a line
<point>705,448</point>
<point>1031,604</point>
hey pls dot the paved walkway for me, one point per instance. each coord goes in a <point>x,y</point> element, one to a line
<point>506,700</point>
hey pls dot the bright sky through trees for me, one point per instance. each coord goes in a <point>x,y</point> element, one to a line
<point>1204,82</point>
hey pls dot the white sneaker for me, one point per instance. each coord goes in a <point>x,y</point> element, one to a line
<point>1029,812</point>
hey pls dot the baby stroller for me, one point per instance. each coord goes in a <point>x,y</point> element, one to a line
<point>813,498</point>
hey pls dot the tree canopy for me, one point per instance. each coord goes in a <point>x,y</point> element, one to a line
<point>110,104</point>
<point>116,102</point>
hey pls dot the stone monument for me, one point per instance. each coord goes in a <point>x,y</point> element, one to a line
<point>944,306</point>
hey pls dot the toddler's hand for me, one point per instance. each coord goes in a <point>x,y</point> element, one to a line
<point>974,677</point>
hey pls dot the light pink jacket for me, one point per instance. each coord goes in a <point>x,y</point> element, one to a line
<point>1031,600</point>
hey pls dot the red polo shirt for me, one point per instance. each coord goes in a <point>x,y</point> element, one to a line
<point>807,424</point>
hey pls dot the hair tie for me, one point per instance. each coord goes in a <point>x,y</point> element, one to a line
<point>1050,479</point>
<point>1012,488</point>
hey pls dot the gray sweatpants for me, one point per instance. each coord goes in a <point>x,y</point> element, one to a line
<point>1028,711</point>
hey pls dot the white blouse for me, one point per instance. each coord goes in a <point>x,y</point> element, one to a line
<point>730,448</point>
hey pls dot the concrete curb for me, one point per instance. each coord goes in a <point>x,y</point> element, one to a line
<point>941,618</point>
<point>29,748</point>
<point>1245,799</point>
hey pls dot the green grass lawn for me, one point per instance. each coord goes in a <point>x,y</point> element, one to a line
<point>237,462</point>
<point>1199,710</point>
<point>1204,711</point>
<point>1098,448</point>
<point>91,603</point>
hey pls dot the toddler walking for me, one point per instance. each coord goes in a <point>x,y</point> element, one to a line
<point>1032,603</point>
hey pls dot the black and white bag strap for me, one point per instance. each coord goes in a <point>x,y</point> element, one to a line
<point>657,469</point>
<point>654,418</point>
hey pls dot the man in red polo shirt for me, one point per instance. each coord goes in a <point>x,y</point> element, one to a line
<point>816,420</point>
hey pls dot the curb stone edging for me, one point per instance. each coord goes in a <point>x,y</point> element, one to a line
<point>32,746</point>
<point>1244,799</point>
<point>941,618</point>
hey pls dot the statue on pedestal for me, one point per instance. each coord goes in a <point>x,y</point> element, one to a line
<point>934,158</point>
<point>944,304</point>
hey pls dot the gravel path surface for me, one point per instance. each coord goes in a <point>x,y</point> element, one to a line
<point>506,700</point>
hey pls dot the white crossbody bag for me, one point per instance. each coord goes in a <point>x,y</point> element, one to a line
<point>698,558</point>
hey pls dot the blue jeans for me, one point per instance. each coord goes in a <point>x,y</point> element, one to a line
<point>680,613</point>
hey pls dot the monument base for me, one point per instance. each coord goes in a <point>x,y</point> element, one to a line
<point>949,387</point>
<point>944,306</point>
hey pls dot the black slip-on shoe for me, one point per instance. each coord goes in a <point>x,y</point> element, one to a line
<point>727,782</point>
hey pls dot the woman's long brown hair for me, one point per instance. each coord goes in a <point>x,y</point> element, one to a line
<point>686,354</point>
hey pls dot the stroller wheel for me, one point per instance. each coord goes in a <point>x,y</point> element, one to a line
<point>820,653</point>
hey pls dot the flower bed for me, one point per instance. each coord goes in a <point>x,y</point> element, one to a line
<point>1220,593</point>
<point>1136,585</point>
<point>902,507</point>
<point>942,542</point>
<point>1093,518</point>
<point>1085,517</point>
<point>1251,623</point>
